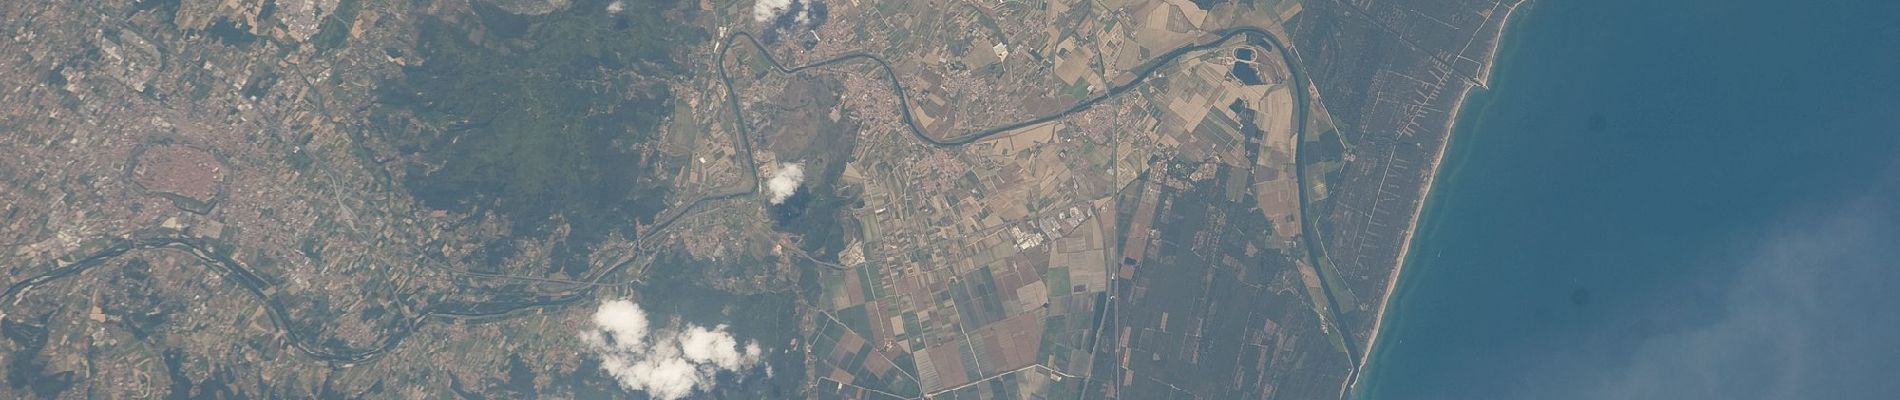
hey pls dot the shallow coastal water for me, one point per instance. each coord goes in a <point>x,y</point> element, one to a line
<point>1683,199</point>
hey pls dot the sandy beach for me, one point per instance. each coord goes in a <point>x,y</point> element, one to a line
<point>1385,301</point>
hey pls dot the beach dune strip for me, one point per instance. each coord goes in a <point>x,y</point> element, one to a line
<point>1405,244</point>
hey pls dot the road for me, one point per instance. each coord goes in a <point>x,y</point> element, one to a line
<point>1310,235</point>
<point>239,274</point>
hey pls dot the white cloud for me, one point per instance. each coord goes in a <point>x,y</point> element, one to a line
<point>785,181</point>
<point>616,7</point>
<point>666,364</point>
<point>624,321</point>
<point>716,347</point>
<point>766,10</point>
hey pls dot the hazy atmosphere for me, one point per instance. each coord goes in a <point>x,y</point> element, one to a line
<point>936,200</point>
<point>1664,200</point>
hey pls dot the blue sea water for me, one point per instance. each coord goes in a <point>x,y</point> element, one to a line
<point>1664,199</point>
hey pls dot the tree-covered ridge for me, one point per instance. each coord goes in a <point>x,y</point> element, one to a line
<point>534,117</point>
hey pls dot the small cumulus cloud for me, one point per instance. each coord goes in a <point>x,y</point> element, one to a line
<point>785,181</point>
<point>766,10</point>
<point>664,363</point>
<point>789,13</point>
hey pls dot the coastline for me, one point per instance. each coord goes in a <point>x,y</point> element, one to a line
<point>1438,162</point>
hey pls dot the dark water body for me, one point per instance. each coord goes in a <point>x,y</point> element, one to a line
<point>1246,73</point>
<point>1691,199</point>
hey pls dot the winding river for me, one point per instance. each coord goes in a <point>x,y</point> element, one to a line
<point>256,286</point>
